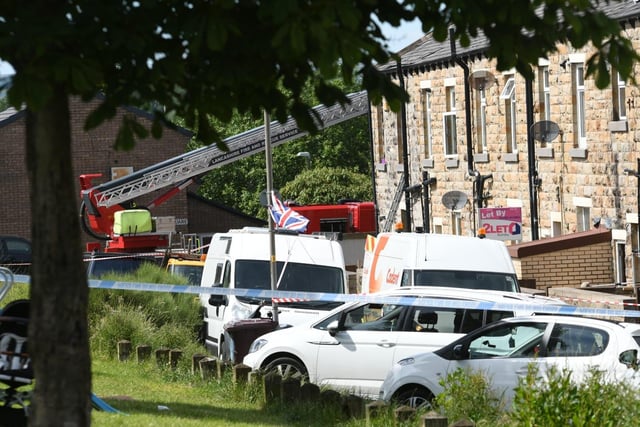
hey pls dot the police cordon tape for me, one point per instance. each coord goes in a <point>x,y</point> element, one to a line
<point>547,307</point>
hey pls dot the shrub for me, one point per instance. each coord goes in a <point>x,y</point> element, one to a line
<point>159,319</point>
<point>555,399</point>
<point>469,395</point>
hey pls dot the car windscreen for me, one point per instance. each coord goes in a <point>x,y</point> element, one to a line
<point>461,279</point>
<point>255,274</point>
<point>193,273</point>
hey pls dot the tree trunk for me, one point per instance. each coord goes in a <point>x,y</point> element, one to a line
<point>58,336</point>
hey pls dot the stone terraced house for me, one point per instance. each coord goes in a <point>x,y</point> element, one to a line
<point>555,148</point>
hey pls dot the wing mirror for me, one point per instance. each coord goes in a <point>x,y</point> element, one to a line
<point>459,352</point>
<point>629,358</point>
<point>333,328</point>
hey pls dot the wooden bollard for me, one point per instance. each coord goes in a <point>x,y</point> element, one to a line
<point>309,392</point>
<point>271,384</point>
<point>403,413</point>
<point>174,357</point>
<point>375,410</point>
<point>208,367</point>
<point>124,350</point>
<point>162,357</point>
<point>241,374</point>
<point>290,390</point>
<point>143,352</point>
<point>255,377</point>
<point>195,362</point>
<point>434,419</point>
<point>354,406</point>
<point>330,398</point>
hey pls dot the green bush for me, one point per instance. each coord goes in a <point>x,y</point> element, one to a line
<point>158,319</point>
<point>469,395</point>
<point>555,399</point>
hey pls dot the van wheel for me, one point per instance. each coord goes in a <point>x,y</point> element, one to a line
<point>415,397</point>
<point>287,367</point>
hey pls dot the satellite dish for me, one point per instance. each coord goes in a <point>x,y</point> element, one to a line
<point>454,200</point>
<point>545,131</point>
<point>481,80</point>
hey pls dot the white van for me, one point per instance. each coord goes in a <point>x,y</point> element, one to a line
<point>425,259</point>
<point>240,259</point>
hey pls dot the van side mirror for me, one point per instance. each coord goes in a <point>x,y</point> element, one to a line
<point>217,300</point>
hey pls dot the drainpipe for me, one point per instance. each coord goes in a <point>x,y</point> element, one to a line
<point>467,111</point>
<point>405,155</point>
<point>533,173</point>
<point>373,168</point>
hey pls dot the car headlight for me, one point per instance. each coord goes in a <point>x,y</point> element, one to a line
<point>257,345</point>
<point>406,361</point>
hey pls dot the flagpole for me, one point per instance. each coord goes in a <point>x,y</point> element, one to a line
<point>272,236</point>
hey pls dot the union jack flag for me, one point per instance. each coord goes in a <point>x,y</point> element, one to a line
<point>285,217</point>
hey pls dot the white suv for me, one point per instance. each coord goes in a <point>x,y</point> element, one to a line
<point>354,346</point>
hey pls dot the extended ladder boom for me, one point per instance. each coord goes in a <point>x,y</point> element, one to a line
<point>197,162</point>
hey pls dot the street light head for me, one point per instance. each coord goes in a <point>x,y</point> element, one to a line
<point>305,154</point>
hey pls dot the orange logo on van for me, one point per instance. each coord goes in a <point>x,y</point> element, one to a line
<point>392,276</point>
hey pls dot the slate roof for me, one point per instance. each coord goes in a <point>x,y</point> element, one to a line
<point>427,53</point>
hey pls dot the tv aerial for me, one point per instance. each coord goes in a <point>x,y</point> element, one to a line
<point>481,80</point>
<point>454,200</point>
<point>545,131</point>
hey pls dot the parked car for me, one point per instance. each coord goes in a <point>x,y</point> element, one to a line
<point>355,345</point>
<point>504,350</point>
<point>15,254</point>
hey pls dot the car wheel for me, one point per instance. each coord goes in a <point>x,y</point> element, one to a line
<point>415,397</point>
<point>287,367</point>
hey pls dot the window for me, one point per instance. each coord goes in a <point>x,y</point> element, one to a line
<point>449,122</point>
<point>456,223</point>
<point>618,96</point>
<point>579,105</point>
<point>509,96</point>
<point>583,218</point>
<point>481,120</point>
<point>426,122</point>
<point>373,317</point>
<point>508,340</point>
<point>544,95</point>
<point>575,340</point>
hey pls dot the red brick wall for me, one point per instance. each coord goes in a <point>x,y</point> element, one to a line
<point>93,152</point>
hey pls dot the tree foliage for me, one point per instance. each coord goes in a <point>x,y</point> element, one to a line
<point>326,185</point>
<point>202,59</point>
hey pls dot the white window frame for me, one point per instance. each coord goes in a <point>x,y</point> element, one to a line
<point>545,90</point>
<point>509,96</point>
<point>583,213</point>
<point>449,120</point>
<point>578,96</point>
<point>619,97</point>
<point>425,90</point>
<point>481,121</point>
<point>456,223</point>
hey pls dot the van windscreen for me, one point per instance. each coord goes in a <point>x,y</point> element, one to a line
<point>461,279</point>
<point>254,274</point>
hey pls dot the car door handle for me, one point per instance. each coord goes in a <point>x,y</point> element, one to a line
<point>386,344</point>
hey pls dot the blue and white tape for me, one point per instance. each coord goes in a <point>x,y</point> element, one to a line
<point>547,308</point>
